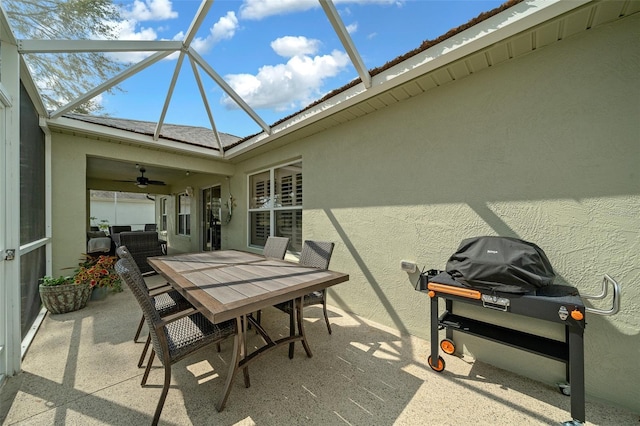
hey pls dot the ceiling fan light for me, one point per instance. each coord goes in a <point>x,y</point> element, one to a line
<point>142,185</point>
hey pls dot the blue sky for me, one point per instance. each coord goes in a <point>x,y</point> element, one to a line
<point>279,55</point>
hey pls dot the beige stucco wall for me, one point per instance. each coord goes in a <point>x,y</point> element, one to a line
<point>544,148</point>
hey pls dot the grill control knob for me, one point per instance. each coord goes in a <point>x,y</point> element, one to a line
<point>563,313</point>
<point>577,315</point>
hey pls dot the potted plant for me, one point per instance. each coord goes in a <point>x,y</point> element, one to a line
<point>103,225</point>
<point>100,274</point>
<point>94,277</point>
<point>61,295</point>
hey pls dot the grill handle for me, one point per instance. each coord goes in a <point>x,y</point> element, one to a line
<point>606,282</point>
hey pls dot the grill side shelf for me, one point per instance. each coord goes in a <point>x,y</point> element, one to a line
<point>539,345</point>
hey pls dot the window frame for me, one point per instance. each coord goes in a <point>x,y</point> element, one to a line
<point>180,215</point>
<point>164,219</point>
<point>271,205</point>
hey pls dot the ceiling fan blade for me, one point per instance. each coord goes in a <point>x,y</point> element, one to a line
<point>155,182</point>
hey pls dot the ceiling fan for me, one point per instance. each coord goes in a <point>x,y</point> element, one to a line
<point>142,181</point>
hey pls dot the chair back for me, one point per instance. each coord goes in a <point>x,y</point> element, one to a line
<point>142,244</point>
<point>123,253</point>
<point>316,254</point>
<point>136,284</point>
<point>116,229</point>
<point>276,247</point>
<point>150,227</point>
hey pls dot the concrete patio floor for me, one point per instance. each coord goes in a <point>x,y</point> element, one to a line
<point>81,370</point>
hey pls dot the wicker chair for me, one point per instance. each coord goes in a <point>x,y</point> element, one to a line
<point>276,247</point>
<point>142,244</point>
<point>316,254</point>
<point>175,339</point>
<point>165,300</point>
<point>114,234</point>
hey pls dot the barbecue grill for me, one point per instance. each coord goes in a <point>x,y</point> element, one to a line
<point>554,303</point>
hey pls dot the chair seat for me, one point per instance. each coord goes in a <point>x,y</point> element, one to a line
<point>170,302</point>
<point>187,334</point>
<point>314,298</point>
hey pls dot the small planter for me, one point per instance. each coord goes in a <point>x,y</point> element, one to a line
<point>99,293</point>
<point>60,299</point>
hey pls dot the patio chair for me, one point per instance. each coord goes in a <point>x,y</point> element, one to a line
<point>275,248</point>
<point>150,227</point>
<point>174,339</point>
<point>98,243</point>
<point>316,254</point>
<point>166,300</point>
<point>142,244</point>
<point>114,234</point>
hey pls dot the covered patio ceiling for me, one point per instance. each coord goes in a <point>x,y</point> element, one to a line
<point>113,175</point>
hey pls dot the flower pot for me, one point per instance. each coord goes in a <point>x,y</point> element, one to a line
<point>60,299</point>
<point>99,293</point>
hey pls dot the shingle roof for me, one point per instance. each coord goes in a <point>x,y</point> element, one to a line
<point>192,135</point>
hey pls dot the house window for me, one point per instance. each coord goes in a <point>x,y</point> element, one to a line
<point>184,214</point>
<point>163,214</point>
<point>276,209</point>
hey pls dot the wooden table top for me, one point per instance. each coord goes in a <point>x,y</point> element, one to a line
<point>227,284</point>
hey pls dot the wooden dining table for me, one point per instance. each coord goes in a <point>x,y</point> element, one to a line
<point>231,285</point>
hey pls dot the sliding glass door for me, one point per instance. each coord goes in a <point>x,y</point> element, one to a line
<point>211,214</point>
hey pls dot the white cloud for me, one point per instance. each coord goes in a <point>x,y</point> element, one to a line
<point>127,30</point>
<point>130,29</point>
<point>290,85</point>
<point>291,46</point>
<point>224,29</point>
<point>150,10</point>
<point>259,9</point>
<point>352,28</point>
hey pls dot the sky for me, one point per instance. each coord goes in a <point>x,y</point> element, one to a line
<point>278,55</point>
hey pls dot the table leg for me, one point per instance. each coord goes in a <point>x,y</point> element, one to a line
<point>293,321</point>
<point>238,350</point>
<point>301,328</point>
<point>243,354</point>
<point>298,319</point>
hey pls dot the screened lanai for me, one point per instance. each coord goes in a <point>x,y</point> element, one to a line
<point>375,144</point>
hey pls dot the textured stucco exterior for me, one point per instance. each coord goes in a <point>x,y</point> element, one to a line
<point>545,148</point>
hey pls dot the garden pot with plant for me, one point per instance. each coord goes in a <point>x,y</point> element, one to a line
<point>66,294</point>
<point>61,295</point>
<point>100,274</point>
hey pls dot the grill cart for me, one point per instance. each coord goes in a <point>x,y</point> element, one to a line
<point>560,304</point>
